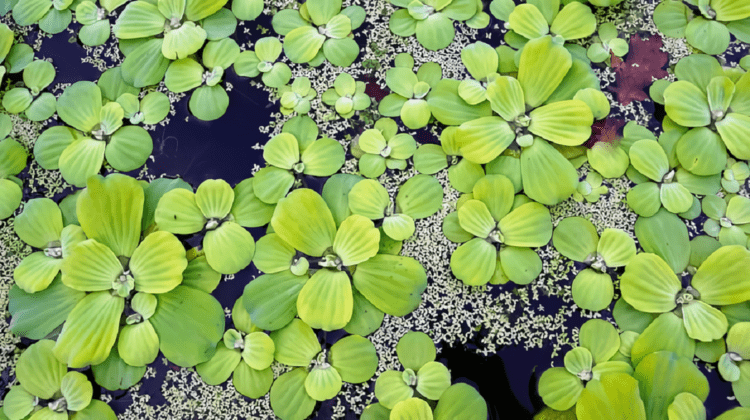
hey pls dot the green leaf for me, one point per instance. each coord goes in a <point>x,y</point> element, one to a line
<point>90,330</point>
<point>686,406</point>
<point>671,17</point>
<point>559,389</point>
<point>436,32</point>
<point>110,211</point>
<point>411,409</point>
<point>35,315</point>
<point>302,44</point>
<point>221,53</point>
<point>630,319</point>
<point>220,25</point>
<point>271,299</point>
<point>420,196</point>
<point>649,284</point>
<point>324,157</point>
<point>80,105</point>
<point>158,262</point>
<point>188,312</point>
<point>704,322</point>
<point>390,388</point>
<point>483,139</point>
<point>662,376</point>
<point>578,361</point>
<point>616,247</point>
<point>480,60</point>
<point>303,220</point>
<point>665,333</point>
<point>209,103</point>
<point>415,349</point>
<point>600,338</point>
<point>506,97</point>
<point>592,290</point>
<point>77,391</point>
<point>354,358</point>
<point>702,152</point>
<point>448,107</point>
<point>18,403</point>
<point>296,344</point>
<point>91,267</point>
<point>325,302</point>
<point>250,382</point>
<point>356,240</point>
<point>709,36</point>
<point>415,113</point>
<point>528,225</point>
<point>665,235</point>
<point>461,402</point>
<point>528,21</point>
<point>259,350</point>
<point>613,397</point>
<point>114,374</point>
<point>177,212</point>
<point>548,177</point>
<point>42,108</point>
<point>566,122</point>
<point>520,265</point>
<point>40,223</point>
<point>474,262</point>
<point>39,372</point>
<point>574,21</point>
<point>686,104</point>
<point>718,280</point>
<point>432,380</point>
<point>145,65</point>
<point>733,130</point>
<point>129,148</point>
<point>575,238</point>
<point>323,383</point>
<point>336,195</point>
<point>366,318</point>
<point>392,283</point>
<point>29,12</point>
<point>542,67</point>
<point>271,184</point>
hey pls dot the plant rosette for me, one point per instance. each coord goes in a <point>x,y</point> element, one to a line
<point>430,159</point>
<point>293,155</point>
<point>264,60</point>
<point>528,21</point>
<point>210,100</point>
<point>498,236</point>
<point>318,373</point>
<point>99,133</point>
<point>576,238</point>
<point>432,20</point>
<point>13,157</point>
<point>383,147</point>
<point>245,354</point>
<point>297,96</point>
<point>590,189</point>
<point>41,226</point>
<point>95,30</point>
<point>322,269</point>
<point>124,276</point>
<point>152,34</point>
<point>153,108</point>
<point>598,342</point>
<point>481,61</point>
<point>13,57</point>
<point>459,401</point>
<point>715,110</point>
<point>728,219</point>
<point>650,285</point>
<point>734,176</point>
<point>607,44</point>
<point>320,30</point>
<point>52,16</point>
<point>419,197</point>
<point>347,96</point>
<point>30,100</point>
<point>49,391</point>
<point>221,214</point>
<point>734,365</point>
<point>545,85</point>
<point>611,159</point>
<point>709,30</point>
<point>409,91</point>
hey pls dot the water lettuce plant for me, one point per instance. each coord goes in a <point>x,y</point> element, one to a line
<point>319,373</point>
<point>95,30</point>
<point>140,280</point>
<point>320,30</point>
<point>498,238</point>
<point>215,209</point>
<point>590,189</point>
<point>409,91</point>
<point>264,60</point>
<point>210,100</point>
<point>598,341</point>
<point>245,354</point>
<point>481,61</point>
<point>708,30</point>
<point>321,288</point>
<point>293,155</point>
<point>20,54</point>
<point>162,31</point>
<point>462,173</point>
<point>151,109</point>
<point>735,175</point>
<point>715,110</point>
<point>383,147</point>
<point>52,17</point>
<point>48,391</point>
<point>29,99</point>
<point>422,375</point>
<point>459,401</point>
<point>539,18</point>
<point>13,157</point>
<point>41,226</point>
<point>576,238</point>
<point>100,134</point>
<point>650,286</point>
<point>297,96</point>
<point>734,365</point>
<point>419,197</point>
<point>432,20</point>
<point>727,219</point>
<point>610,158</point>
<point>607,43</point>
<point>347,96</point>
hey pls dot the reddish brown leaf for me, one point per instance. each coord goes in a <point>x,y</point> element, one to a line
<point>644,62</point>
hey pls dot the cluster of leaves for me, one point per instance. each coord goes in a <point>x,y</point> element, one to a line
<point>432,20</point>
<point>13,157</point>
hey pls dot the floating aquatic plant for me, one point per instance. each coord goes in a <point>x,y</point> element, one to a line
<point>264,60</point>
<point>419,197</point>
<point>734,176</point>
<point>30,100</point>
<point>590,189</point>
<point>576,238</point>
<point>49,391</point>
<point>383,147</point>
<point>294,154</point>
<point>319,374</point>
<point>650,285</point>
<point>498,236</point>
<point>322,280</point>
<point>598,341</point>
<point>608,43</point>
<point>52,17</point>
<point>151,109</point>
<point>13,158</point>
<point>430,159</point>
<point>459,401</point>
<point>320,30</point>
<point>728,219</point>
<point>216,210</point>
<point>409,91</point>
<point>709,30</point>
<point>432,20</point>
<point>734,365</point>
<point>539,18</point>
<point>101,134</point>
<point>95,30</point>
<point>245,354</point>
<point>157,33</point>
<point>346,96</point>
<point>297,97</point>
